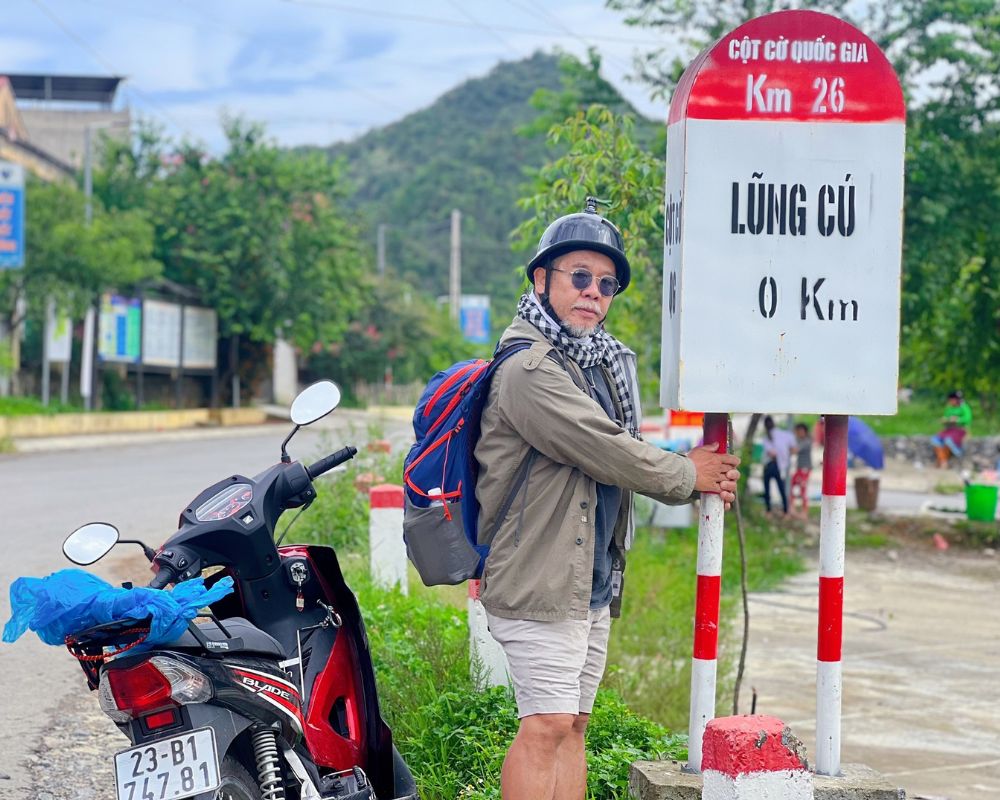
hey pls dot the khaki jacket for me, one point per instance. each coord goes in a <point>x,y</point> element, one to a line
<point>541,558</point>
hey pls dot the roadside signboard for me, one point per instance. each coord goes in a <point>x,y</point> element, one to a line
<point>201,337</point>
<point>475,318</point>
<point>60,336</point>
<point>11,215</point>
<point>118,329</point>
<point>161,335</point>
<point>783,240</point>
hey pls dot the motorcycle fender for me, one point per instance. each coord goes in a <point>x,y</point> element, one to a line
<point>227,726</point>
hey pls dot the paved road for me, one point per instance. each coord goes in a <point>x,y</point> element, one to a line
<point>139,487</point>
<point>921,662</point>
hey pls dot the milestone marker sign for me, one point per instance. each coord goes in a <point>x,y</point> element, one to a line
<point>784,199</point>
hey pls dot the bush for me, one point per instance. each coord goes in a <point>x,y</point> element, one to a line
<point>616,736</point>
<point>460,748</point>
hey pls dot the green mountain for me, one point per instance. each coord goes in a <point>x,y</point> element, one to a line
<point>462,152</point>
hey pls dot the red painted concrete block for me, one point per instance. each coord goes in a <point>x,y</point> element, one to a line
<point>743,745</point>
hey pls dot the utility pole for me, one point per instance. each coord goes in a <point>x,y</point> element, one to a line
<point>91,323</point>
<point>88,354</point>
<point>455,285</point>
<point>380,249</point>
<point>46,364</point>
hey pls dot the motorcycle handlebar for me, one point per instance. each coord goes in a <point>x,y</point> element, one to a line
<point>162,578</point>
<point>331,461</point>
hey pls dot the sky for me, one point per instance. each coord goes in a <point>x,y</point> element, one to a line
<point>314,71</point>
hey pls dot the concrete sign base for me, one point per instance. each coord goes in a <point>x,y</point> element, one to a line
<point>665,780</point>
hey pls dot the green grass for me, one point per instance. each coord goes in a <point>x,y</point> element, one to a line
<point>25,406</point>
<point>649,656</point>
<point>973,533</point>
<point>920,417</point>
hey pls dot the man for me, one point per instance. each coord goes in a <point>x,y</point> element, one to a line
<point>560,456</point>
<point>779,446</point>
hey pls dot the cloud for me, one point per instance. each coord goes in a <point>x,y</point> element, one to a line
<point>313,70</point>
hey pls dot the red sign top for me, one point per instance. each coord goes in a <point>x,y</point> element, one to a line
<point>797,66</point>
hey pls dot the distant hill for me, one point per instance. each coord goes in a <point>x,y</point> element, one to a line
<point>461,152</point>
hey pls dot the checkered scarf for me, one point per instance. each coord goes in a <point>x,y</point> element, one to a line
<point>598,348</point>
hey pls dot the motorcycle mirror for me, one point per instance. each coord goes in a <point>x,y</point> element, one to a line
<point>315,402</point>
<point>90,543</point>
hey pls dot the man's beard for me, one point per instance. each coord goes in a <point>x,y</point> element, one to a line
<point>583,331</point>
<point>580,331</point>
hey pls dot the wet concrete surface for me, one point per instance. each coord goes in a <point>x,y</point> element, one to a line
<point>921,667</point>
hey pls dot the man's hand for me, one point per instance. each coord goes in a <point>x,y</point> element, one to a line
<point>716,472</point>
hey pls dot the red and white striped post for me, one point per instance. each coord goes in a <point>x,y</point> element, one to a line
<point>487,660</point>
<point>386,547</point>
<point>832,528</point>
<point>706,614</point>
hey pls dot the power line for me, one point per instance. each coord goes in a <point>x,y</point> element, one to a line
<point>482,25</point>
<point>83,44</point>
<point>454,23</point>
<point>552,19</point>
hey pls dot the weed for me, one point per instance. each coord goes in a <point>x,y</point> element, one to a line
<point>649,660</point>
<point>978,534</point>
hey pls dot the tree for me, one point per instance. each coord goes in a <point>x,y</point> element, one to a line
<point>70,261</point>
<point>260,234</point>
<point>400,331</point>
<point>695,24</point>
<point>603,159</point>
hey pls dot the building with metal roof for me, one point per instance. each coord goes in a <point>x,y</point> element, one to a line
<point>45,120</point>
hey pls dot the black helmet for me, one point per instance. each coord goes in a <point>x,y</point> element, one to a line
<point>586,230</point>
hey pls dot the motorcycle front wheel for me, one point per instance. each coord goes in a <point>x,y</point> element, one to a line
<point>237,783</point>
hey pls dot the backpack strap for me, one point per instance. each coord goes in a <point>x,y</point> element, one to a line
<point>538,350</point>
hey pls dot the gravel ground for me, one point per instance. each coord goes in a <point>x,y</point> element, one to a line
<point>75,759</point>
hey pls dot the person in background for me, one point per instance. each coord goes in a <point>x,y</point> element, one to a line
<point>956,419</point>
<point>779,445</point>
<point>803,466</point>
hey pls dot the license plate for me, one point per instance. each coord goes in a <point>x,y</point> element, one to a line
<point>180,766</point>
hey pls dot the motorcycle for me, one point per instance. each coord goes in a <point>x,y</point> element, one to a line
<point>272,694</point>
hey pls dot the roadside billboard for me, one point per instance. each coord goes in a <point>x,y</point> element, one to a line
<point>11,215</point>
<point>118,329</point>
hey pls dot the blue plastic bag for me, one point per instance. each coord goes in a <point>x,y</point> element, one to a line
<point>70,601</point>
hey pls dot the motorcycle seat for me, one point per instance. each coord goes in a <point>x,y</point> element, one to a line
<point>254,639</point>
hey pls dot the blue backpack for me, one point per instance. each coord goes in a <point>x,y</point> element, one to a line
<point>440,510</point>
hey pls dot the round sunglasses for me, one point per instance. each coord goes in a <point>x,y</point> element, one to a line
<point>607,285</point>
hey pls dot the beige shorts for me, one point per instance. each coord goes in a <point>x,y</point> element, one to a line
<point>555,666</point>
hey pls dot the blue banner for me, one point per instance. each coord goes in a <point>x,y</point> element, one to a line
<point>474,318</point>
<point>11,215</point>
